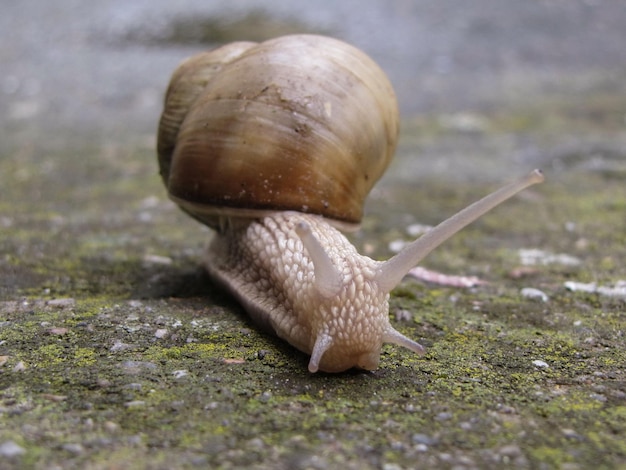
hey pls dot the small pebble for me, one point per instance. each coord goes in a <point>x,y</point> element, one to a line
<point>391,466</point>
<point>179,374</point>
<point>443,416</point>
<point>441,279</point>
<point>149,202</point>
<point>508,410</point>
<point>415,230</point>
<point>57,331</point>
<point>134,440</point>
<point>256,443</point>
<point>160,333</point>
<point>396,246</point>
<point>52,397</point>
<point>510,450</point>
<point>598,397</point>
<point>134,404</point>
<point>119,346</point>
<point>156,259</point>
<point>110,426</point>
<point>403,315</point>
<point>571,434</point>
<point>532,293</point>
<point>570,226</point>
<point>423,439</point>
<point>581,286</point>
<point>74,448</point>
<point>11,449</point>
<point>531,257</point>
<point>617,290</point>
<point>103,383</point>
<point>541,364</point>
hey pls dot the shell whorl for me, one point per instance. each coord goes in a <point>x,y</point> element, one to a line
<point>303,122</point>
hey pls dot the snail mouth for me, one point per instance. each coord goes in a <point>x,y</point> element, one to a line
<point>363,362</point>
<point>369,361</point>
<point>340,361</point>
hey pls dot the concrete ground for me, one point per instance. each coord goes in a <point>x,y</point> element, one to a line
<point>117,351</point>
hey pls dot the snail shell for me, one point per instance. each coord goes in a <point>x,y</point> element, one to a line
<point>304,123</point>
<point>268,143</point>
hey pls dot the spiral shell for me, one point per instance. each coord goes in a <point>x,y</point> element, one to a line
<point>303,123</point>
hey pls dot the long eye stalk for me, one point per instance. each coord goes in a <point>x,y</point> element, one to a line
<point>392,271</point>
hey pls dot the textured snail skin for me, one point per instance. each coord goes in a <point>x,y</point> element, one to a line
<point>299,277</point>
<point>267,268</point>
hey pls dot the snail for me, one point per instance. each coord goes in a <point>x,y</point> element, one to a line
<point>276,145</point>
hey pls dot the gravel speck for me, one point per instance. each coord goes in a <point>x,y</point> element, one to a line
<point>160,333</point>
<point>532,293</point>
<point>179,374</point>
<point>11,449</point>
<point>74,448</point>
<point>62,303</point>
<point>134,404</point>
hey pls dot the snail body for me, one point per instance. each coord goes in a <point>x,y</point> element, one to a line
<point>268,267</point>
<point>275,145</point>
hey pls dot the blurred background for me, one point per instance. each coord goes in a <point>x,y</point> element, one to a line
<point>487,89</point>
<point>70,66</point>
